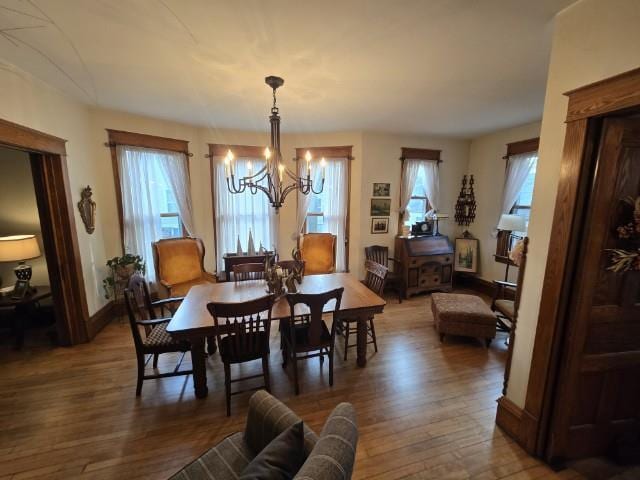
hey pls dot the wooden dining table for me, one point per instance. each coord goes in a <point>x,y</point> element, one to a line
<point>193,322</point>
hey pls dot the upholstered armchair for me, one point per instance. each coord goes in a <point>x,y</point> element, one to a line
<point>179,265</point>
<point>318,252</point>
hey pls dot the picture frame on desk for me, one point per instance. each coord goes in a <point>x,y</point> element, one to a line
<point>466,255</point>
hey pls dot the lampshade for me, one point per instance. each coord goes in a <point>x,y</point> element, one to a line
<point>18,247</point>
<point>513,223</point>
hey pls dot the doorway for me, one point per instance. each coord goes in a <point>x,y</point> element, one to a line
<point>47,155</point>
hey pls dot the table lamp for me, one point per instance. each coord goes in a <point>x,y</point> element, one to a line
<point>512,223</point>
<point>18,248</point>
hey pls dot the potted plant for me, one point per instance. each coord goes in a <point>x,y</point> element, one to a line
<point>120,271</point>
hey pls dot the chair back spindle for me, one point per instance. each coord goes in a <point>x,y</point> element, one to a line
<point>315,303</point>
<point>378,254</point>
<point>248,271</point>
<point>376,276</point>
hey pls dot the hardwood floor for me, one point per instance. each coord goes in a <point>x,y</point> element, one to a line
<point>425,409</point>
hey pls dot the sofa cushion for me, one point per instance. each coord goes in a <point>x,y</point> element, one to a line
<point>334,454</point>
<point>225,461</point>
<point>281,459</point>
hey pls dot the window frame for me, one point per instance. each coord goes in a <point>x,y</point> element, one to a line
<point>515,148</point>
<point>344,151</point>
<point>143,140</point>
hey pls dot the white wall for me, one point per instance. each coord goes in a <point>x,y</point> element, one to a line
<point>593,40</point>
<point>19,213</point>
<point>488,169</point>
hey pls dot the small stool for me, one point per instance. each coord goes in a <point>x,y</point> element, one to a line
<point>464,315</point>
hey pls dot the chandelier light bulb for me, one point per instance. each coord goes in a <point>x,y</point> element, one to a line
<point>267,153</point>
<point>307,156</point>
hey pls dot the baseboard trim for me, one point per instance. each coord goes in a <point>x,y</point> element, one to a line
<point>100,319</point>
<point>509,418</point>
<point>480,285</point>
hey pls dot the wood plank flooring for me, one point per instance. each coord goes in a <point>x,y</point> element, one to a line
<point>425,409</point>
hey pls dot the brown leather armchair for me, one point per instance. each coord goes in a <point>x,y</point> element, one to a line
<point>318,251</point>
<point>179,265</point>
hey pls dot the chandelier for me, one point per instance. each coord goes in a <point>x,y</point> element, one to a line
<point>274,179</point>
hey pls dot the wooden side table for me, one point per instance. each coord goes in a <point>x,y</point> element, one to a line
<point>24,308</point>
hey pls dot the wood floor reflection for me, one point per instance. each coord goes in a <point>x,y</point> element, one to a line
<point>425,409</point>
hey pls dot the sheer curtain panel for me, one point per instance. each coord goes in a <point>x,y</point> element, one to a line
<point>518,168</point>
<point>151,181</point>
<point>237,213</point>
<point>410,170</point>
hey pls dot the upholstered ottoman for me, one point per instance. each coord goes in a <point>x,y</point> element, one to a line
<point>464,315</point>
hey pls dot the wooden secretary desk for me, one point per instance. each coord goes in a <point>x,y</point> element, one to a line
<point>426,263</point>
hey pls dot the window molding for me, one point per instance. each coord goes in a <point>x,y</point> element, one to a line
<point>522,146</point>
<point>142,140</point>
<point>420,154</point>
<point>344,151</point>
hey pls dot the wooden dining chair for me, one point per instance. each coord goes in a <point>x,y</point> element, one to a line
<point>311,338</point>
<point>156,340</point>
<point>289,266</point>
<point>375,278</point>
<point>380,254</point>
<point>243,336</point>
<point>248,271</point>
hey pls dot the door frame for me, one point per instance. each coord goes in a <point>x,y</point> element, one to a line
<point>615,95</point>
<point>51,179</point>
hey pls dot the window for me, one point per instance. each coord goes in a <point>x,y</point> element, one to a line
<point>153,186</point>
<point>419,202</point>
<point>522,206</point>
<point>327,211</point>
<point>237,214</point>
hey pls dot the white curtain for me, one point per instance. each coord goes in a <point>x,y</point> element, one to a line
<point>237,213</point>
<point>518,169</point>
<point>305,200</point>
<point>177,175</point>
<point>334,205</point>
<point>411,169</point>
<point>432,183</point>
<point>150,181</point>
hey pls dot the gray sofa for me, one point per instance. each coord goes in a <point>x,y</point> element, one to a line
<point>331,456</point>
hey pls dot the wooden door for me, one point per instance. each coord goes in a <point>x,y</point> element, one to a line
<point>598,390</point>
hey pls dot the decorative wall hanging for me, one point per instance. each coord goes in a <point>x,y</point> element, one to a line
<point>627,259</point>
<point>87,209</point>
<point>466,204</point>
<point>380,225</point>
<point>466,255</point>
<point>380,207</point>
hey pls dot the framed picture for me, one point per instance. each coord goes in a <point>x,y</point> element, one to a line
<point>380,207</point>
<point>379,225</point>
<point>381,189</point>
<point>466,255</point>
<point>20,290</point>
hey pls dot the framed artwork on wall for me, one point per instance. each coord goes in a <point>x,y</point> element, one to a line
<point>380,207</point>
<point>379,225</point>
<point>466,255</point>
<point>381,190</point>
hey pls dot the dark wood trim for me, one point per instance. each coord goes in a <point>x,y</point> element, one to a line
<point>57,222</point>
<point>220,150</point>
<point>421,154</point>
<point>326,152</point>
<point>613,95</point>
<point>523,146</point>
<point>509,417</point>
<point>27,139</point>
<point>610,95</point>
<point>101,318</point>
<point>120,137</point>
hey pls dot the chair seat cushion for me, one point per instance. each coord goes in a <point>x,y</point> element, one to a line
<point>505,307</point>
<point>280,459</point>
<point>159,338</point>
<point>181,289</point>
<point>257,344</point>
<point>460,308</point>
<point>225,461</point>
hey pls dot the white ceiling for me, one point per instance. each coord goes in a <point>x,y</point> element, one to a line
<point>453,67</point>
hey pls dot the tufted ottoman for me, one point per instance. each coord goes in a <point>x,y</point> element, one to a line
<point>464,315</point>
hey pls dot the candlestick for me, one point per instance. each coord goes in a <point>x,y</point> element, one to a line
<point>280,171</point>
<point>323,164</point>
